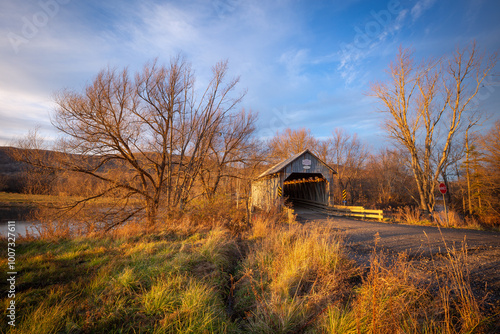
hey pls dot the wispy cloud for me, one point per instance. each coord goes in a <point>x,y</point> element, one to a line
<point>369,38</point>
<point>297,58</point>
<point>399,22</point>
<point>21,111</point>
<point>420,7</point>
<point>294,62</point>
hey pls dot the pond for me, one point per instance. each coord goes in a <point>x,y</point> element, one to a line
<point>21,227</point>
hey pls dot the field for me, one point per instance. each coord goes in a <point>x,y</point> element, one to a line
<point>275,277</point>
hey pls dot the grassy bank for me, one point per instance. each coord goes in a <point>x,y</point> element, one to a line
<point>274,278</point>
<point>162,282</point>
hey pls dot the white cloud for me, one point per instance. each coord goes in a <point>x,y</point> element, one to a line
<point>20,112</point>
<point>273,45</point>
<point>420,7</point>
<point>399,22</point>
<point>294,62</point>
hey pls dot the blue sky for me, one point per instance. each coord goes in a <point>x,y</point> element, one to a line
<point>303,63</point>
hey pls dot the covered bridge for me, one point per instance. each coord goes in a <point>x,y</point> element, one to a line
<point>302,176</point>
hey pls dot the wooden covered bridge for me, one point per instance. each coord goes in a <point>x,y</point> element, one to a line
<point>300,177</point>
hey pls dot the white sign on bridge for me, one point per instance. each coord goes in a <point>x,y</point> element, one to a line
<point>306,163</point>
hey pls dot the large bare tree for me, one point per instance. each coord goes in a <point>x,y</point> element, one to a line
<point>230,151</point>
<point>289,142</point>
<point>145,137</point>
<point>425,105</point>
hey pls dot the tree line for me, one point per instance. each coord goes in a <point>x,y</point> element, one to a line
<point>156,141</point>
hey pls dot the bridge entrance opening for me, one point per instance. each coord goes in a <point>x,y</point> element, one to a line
<point>300,187</point>
<point>302,177</point>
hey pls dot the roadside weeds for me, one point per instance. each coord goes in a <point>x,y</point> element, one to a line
<point>274,278</point>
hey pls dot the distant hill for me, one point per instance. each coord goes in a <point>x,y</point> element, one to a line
<point>13,173</point>
<point>8,165</point>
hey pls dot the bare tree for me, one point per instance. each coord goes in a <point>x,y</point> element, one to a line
<point>145,138</point>
<point>230,150</point>
<point>290,142</point>
<point>347,154</point>
<point>471,157</point>
<point>35,179</point>
<point>425,105</point>
<point>323,149</point>
<point>489,176</point>
<point>389,180</point>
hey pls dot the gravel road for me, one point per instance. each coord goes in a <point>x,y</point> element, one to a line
<point>423,244</point>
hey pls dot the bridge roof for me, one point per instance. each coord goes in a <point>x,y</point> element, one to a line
<point>282,165</point>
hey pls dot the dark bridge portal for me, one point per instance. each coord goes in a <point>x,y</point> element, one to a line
<point>302,176</point>
<point>308,186</point>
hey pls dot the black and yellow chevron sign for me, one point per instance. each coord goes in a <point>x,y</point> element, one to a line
<point>344,194</point>
<point>280,192</point>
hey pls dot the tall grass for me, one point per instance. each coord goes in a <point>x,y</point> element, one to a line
<point>450,218</point>
<point>387,301</point>
<point>408,214</point>
<point>391,300</point>
<point>161,282</point>
<point>276,277</point>
<point>459,303</point>
<point>288,277</point>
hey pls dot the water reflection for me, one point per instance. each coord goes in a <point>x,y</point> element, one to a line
<point>21,228</point>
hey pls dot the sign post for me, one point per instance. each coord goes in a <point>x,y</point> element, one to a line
<point>442,189</point>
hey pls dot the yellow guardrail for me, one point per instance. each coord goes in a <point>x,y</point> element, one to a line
<point>347,211</point>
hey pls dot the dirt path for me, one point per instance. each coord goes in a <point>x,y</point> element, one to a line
<point>423,244</point>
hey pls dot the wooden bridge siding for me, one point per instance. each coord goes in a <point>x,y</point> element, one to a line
<point>316,167</point>
<point>321,190</point>
<point>265,190</point>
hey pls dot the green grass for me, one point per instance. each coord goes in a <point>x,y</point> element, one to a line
<point>277,278</point>
<point>22,200</point>
<point>164,284</point>
<point>13,199</point>
<point>290,276</point>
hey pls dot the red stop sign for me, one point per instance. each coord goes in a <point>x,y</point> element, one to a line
<point>442,188</point>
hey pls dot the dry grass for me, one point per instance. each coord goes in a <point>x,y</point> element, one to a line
<point>413,215</point>
<point>460,307</point>
<point>448,219</point>
<point>289,275</point>
<point>408,214</point>
<point>453,219</point>
<point>387,301</point>
<point>20,199</point>
<point>392,300</point>
<point>265,222</point>
<point>277,277</point>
